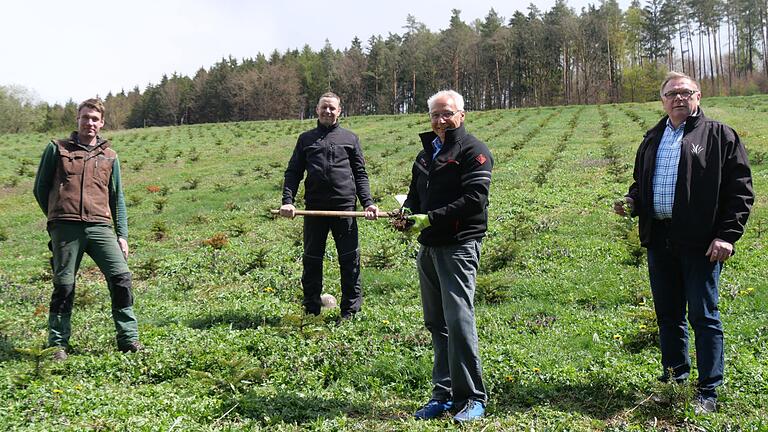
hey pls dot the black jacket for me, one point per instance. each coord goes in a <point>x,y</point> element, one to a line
<point>452,189</point>
<point>713,195</point>
<point>335,168</point>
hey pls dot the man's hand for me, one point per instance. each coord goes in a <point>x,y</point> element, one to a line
<point>288,210</point>
<point>123,246</point>
<point>371,212</point>
<point>719,250</point>
<point>620,206</point>
<point>420,221</point>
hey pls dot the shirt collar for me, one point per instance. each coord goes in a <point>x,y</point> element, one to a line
<point>673,128</point>
<point>437,145</point>
<point>75,137</point>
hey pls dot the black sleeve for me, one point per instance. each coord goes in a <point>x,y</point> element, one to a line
<point>735,189</point>
<point>357,163</point>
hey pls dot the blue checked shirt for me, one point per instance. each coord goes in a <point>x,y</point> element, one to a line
<point>665,176</point>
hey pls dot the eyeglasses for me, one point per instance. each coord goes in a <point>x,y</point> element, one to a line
<point>684,94</point>
<point>443,115</point>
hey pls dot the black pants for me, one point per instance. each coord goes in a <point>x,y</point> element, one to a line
<point>344,232</point>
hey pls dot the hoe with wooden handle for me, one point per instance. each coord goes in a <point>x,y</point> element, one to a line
<point>340,213</point>
<point>336,213</point>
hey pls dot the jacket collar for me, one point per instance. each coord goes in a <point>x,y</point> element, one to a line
<point>694,119</point>
<point>690,122</point>
<point>100,142</point>
<point>452,136</point>
<point>325,129</point>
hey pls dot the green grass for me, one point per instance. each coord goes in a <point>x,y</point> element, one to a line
<point>565,318</point>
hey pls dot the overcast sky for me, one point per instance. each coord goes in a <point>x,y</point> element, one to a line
<point>62,49</point>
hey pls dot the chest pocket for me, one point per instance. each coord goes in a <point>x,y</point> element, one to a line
<point>103,168</point>
<point>71,162</point>
<point>317,158</point>
<point>449,168</point>
<point>339,155</point>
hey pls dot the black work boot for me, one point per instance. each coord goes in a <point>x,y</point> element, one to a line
<point>60,355</point>
<point>133,347</point>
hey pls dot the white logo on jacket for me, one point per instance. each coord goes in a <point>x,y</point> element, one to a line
<point>696,149</point>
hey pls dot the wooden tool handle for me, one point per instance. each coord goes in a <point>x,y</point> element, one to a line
<point>335,213</point>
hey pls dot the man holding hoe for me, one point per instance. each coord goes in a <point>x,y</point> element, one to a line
<point>451,179</point>
<point>333,160</point>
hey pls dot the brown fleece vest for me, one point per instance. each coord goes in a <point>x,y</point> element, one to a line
<point>80,190</point>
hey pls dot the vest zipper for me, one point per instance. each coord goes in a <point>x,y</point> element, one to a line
<point>82,187</point>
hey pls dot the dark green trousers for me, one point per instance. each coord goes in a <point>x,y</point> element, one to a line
<point>69,241</point>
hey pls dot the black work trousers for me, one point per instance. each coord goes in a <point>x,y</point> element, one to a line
<point>344,230</point>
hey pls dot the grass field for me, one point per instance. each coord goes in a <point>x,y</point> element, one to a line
<point>565,318</point>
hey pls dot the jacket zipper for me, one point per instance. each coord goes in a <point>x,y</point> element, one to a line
<point>82,187</point>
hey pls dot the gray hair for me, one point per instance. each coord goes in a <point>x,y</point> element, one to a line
<point>677,75</point>
<point>458,99</point>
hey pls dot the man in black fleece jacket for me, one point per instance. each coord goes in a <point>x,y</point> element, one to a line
<point>336,178</point>
<point>448,194</point>
<point>693,193</point>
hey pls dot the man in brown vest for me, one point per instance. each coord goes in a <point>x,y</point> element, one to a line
<point>79,189</point>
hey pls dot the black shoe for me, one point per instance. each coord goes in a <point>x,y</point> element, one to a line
<point>704,405</point>
<point>348,317</point>
<point>134,346</point>
<point>666,378</point>
<point>60,355</point>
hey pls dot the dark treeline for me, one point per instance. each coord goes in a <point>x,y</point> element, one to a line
<point>557,57</point>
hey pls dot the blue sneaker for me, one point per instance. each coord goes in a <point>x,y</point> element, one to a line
<point>433,409</point>
<point>473,410</point>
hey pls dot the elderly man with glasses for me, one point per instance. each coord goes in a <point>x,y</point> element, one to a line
<point>448,193</point>
<point>693,193</point>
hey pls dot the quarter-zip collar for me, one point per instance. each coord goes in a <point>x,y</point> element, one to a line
<point>452,136</point>
<point>326,129</point>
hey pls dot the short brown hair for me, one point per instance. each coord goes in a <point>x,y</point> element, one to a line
<point>331,95</point>
<point>677,75</point>
<point>92,103</point>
